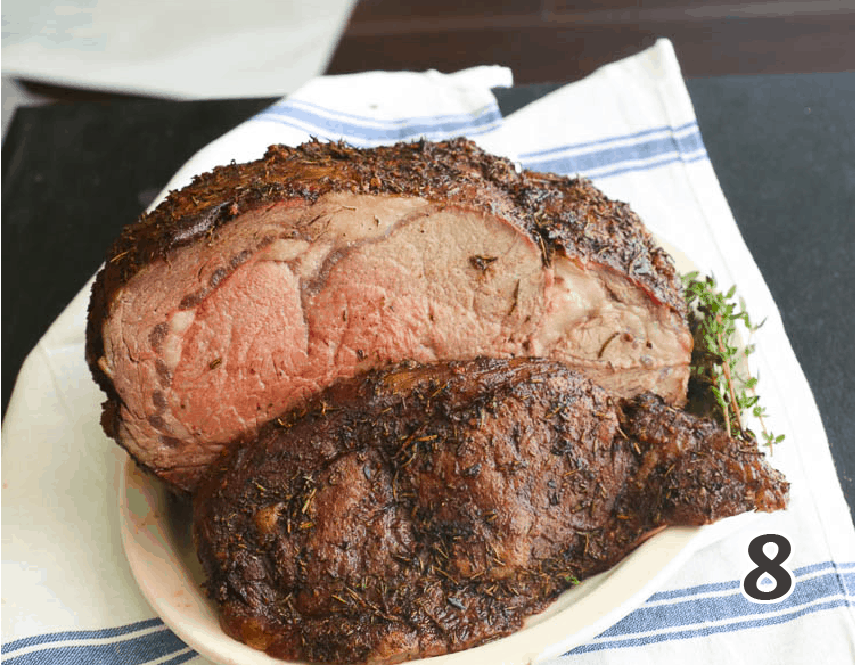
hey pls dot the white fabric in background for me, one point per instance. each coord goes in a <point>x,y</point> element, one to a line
<point>191,49</point>
<point>631,127</point>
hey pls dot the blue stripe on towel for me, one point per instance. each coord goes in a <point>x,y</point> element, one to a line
<point>491,110</point>
<point>334,126</point>
<point>720,608</point>
<point>693,591</point>
<point>81,635</point>
<point>710,630</point>
<point>181,658</point>
<point>656,621</point>
<point>634,152</point>
<point>134,651</point>
<point>664,129</point>
<point>724,586</point>
<point>664,160</point>
<point>602,158</point>
<point>667,615</point>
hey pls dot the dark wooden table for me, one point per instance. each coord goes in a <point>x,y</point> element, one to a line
<point>563,40</point>
<point>774,102</point>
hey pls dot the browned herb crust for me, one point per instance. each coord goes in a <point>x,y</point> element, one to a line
<point>415,511</point>
<point>561,214</point>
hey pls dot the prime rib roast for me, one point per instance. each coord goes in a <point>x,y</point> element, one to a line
<point>259,285</point>
<point>422,509</point>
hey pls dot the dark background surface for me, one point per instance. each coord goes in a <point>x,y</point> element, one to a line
<point>564,40</point>
<point>782,146</point>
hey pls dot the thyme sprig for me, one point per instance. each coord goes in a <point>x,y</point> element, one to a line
<point>719,370</point>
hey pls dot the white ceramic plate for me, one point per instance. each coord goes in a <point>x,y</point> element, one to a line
<point>156,533</point>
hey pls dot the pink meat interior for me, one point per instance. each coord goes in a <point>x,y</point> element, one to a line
<point>228,333</point>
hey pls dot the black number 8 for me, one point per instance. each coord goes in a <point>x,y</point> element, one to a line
<point>772,567</point>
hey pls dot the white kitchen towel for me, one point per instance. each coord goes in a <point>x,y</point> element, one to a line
<point>68,595</point>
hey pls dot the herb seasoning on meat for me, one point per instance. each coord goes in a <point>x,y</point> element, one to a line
<point>424,509</point>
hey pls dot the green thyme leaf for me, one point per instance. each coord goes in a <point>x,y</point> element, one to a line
<point>718,386</point>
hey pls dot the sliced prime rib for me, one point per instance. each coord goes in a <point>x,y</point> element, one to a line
<point>260,284</point>
<point>419,510</point>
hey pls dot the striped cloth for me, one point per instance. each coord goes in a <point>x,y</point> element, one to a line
<point>68,595</point>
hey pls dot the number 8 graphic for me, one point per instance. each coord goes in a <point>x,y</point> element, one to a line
<point>783,578</point>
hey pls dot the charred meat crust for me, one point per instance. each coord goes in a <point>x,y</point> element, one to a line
<point>560,214</point>
<point>418,510</point>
